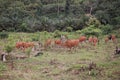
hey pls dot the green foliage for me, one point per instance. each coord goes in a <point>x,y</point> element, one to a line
<point>57,33</point>
<point>106,29</point>
<point>94,73</point>
<point>4,35</point>
<point>93,21</point>
<point>91,30</point>
<point>51,15</point>
<point>2,67</point>
<point>23,27</point>
<point>36,37</point>
<point>45,32</point>
<point>67,6</point>
<point>107,11</point>
<point>69,29</point>
<point>78,31</point>
<point>8,48</point>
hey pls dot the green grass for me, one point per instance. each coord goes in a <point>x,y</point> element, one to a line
<point>60,64</point>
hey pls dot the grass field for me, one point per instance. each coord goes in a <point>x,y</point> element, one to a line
<point>86,63</point>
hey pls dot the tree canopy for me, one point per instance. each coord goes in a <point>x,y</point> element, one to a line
<point>51,15</point>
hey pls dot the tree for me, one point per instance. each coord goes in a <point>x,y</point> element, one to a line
<point>67,7</point>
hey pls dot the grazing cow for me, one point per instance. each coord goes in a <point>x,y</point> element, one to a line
<point>71,43</point>
<point>48,43</point>
<point>93,40</point>
<point>90,40</point>
<point>82,39</point>
<point>106,39</point>
<point>58,43</point>
<point>110,37</point>
<point>24,45</point>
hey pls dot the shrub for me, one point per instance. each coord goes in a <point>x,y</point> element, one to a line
<point>45,32</point>
<point>3,35</point>
<point>106,29</point>
<point>91,30</point>
<point>94,21</point>
<point>69,29</point>
<point>23,27</point>
<point>57,33</point>
<point>8,48</point>
<point>78,31</point>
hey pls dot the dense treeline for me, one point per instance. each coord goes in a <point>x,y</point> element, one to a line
<point>50,15</point>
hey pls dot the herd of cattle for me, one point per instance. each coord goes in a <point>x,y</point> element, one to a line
<point>64,42</point>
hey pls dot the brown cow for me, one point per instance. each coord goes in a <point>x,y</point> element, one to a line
<point>93,40</point>
<point>24,45</point>
<point>49,43</point>
<point>71,43</point>
<point>111,37</point>
<point>82,39</point>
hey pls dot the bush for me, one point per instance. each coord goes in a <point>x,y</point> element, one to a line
<point>91,30</point>
<point>8,48</point>
<point>94,21</point>
<point>106,29</point>
<point>57,34</point>
<point>78,31</point>
<point>23,27</point>
<point>69,29</point>
<point>3,35</point>
<point>45,32</point>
